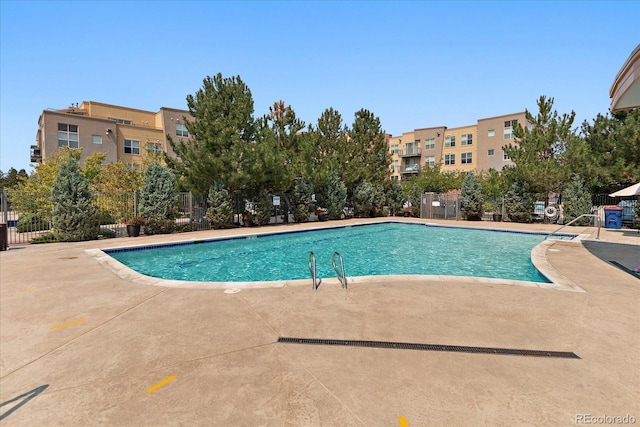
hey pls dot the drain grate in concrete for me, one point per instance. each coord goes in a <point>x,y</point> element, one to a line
<point>430,347</point>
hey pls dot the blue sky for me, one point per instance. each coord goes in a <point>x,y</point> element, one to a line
<point>413,64</point>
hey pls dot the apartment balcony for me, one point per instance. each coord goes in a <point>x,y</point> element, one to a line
<point>36,155</point>
<point>414,152</point>
<point>409,169</point>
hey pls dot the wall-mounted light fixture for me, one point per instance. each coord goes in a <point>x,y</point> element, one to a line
<point>108,132</point>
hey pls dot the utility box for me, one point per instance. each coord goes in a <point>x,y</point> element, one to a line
<point>613,217</point>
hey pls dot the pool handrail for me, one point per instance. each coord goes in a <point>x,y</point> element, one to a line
<point>341,275</point>
<point>574,220</point>
<point>312,269</point>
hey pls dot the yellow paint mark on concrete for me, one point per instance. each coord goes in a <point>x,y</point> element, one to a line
<point>29,289</point>
<point>403,421</point>
<point>63,325</point>
<point>161,384</point>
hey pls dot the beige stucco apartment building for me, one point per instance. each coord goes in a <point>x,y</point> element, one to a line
<point>125,134</point>
<point>476,147</point>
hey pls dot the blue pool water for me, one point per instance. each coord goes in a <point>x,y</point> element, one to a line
<point>368,250</point>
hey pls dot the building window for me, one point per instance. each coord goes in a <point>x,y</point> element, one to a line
<point>67,135</point>
<point>490,152</point>
<point>508,128</point>
<point>430,160</point>
<point>394,148</point>
<point>131,146</point>
<point>505,156</point>
<point>394,166</point>
<point>492,132</point>
<point>411,148</point>
<point>121,121</point>
<point>449,159</point>
<point>450,141</point>
<point>394,177</point>
<point>466,158</point>
<point>467,139</point>
<point>96,139</point>
<point>429,143</point>
<point>154,147</point>
<point>181,130</point>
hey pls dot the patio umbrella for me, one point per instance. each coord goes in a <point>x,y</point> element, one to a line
<point>633,190</point>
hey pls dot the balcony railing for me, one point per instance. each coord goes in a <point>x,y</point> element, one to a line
<point>410,169</point>
<point>413,152</point>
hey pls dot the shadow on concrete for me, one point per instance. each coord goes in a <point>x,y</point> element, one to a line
<point>623,256</point>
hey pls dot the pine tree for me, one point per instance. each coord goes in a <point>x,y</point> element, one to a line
<point>220,212</point>
<point>576,200</point>
<point>300,199</point>
<point>363,200</point>
<point>158,200</point>
<point>471,199</point>
<point>334,196</point>
<point>518,202</point>
<point>75,218</point>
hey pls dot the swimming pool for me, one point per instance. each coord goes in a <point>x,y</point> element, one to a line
<point>368,250</point>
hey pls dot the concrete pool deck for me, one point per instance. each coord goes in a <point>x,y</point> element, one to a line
<point>80,345</point>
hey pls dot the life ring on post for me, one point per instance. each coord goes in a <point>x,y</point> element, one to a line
<point>551,212</point>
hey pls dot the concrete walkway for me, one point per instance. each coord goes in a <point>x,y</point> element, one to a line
<point>80,345</point>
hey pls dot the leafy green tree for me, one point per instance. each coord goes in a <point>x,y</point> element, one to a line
<point>116,184</point>
<point>636,215</point>
<point>301,200</point>
<point>414,196</point>
<point>576,200</point>
<point>431,179</point>
<point>493,183</point>
<point>471,199</point>
<point>220,212</point>
<point>74,216</point>
<point>33,195</point>
<point>219,135</point>
<point>334,196</point>
<point>158,200</point>
<point>540,147</point>
<point>12,178</point>
<point>518,202</point>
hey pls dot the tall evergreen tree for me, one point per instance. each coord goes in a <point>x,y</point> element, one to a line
<point>334,196</point>
<point>540,147</point>
<point>75,218</point>
<point>365,157</point>
<point>471,199</point>
<point>219,134</point>
<point>610,156</point>
<point>220,212</point>
<point>576,200</point>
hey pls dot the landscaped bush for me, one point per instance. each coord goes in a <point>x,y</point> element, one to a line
<point>158,200</point>
<point>576,200</point>
<point>220,212</point>
<point>75,218</point>
<point>471,197</point>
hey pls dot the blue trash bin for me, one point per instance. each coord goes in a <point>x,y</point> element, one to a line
<point>613,217</point>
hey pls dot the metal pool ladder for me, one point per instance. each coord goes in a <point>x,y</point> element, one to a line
<point>340,273</point>
<point>312,270</point>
